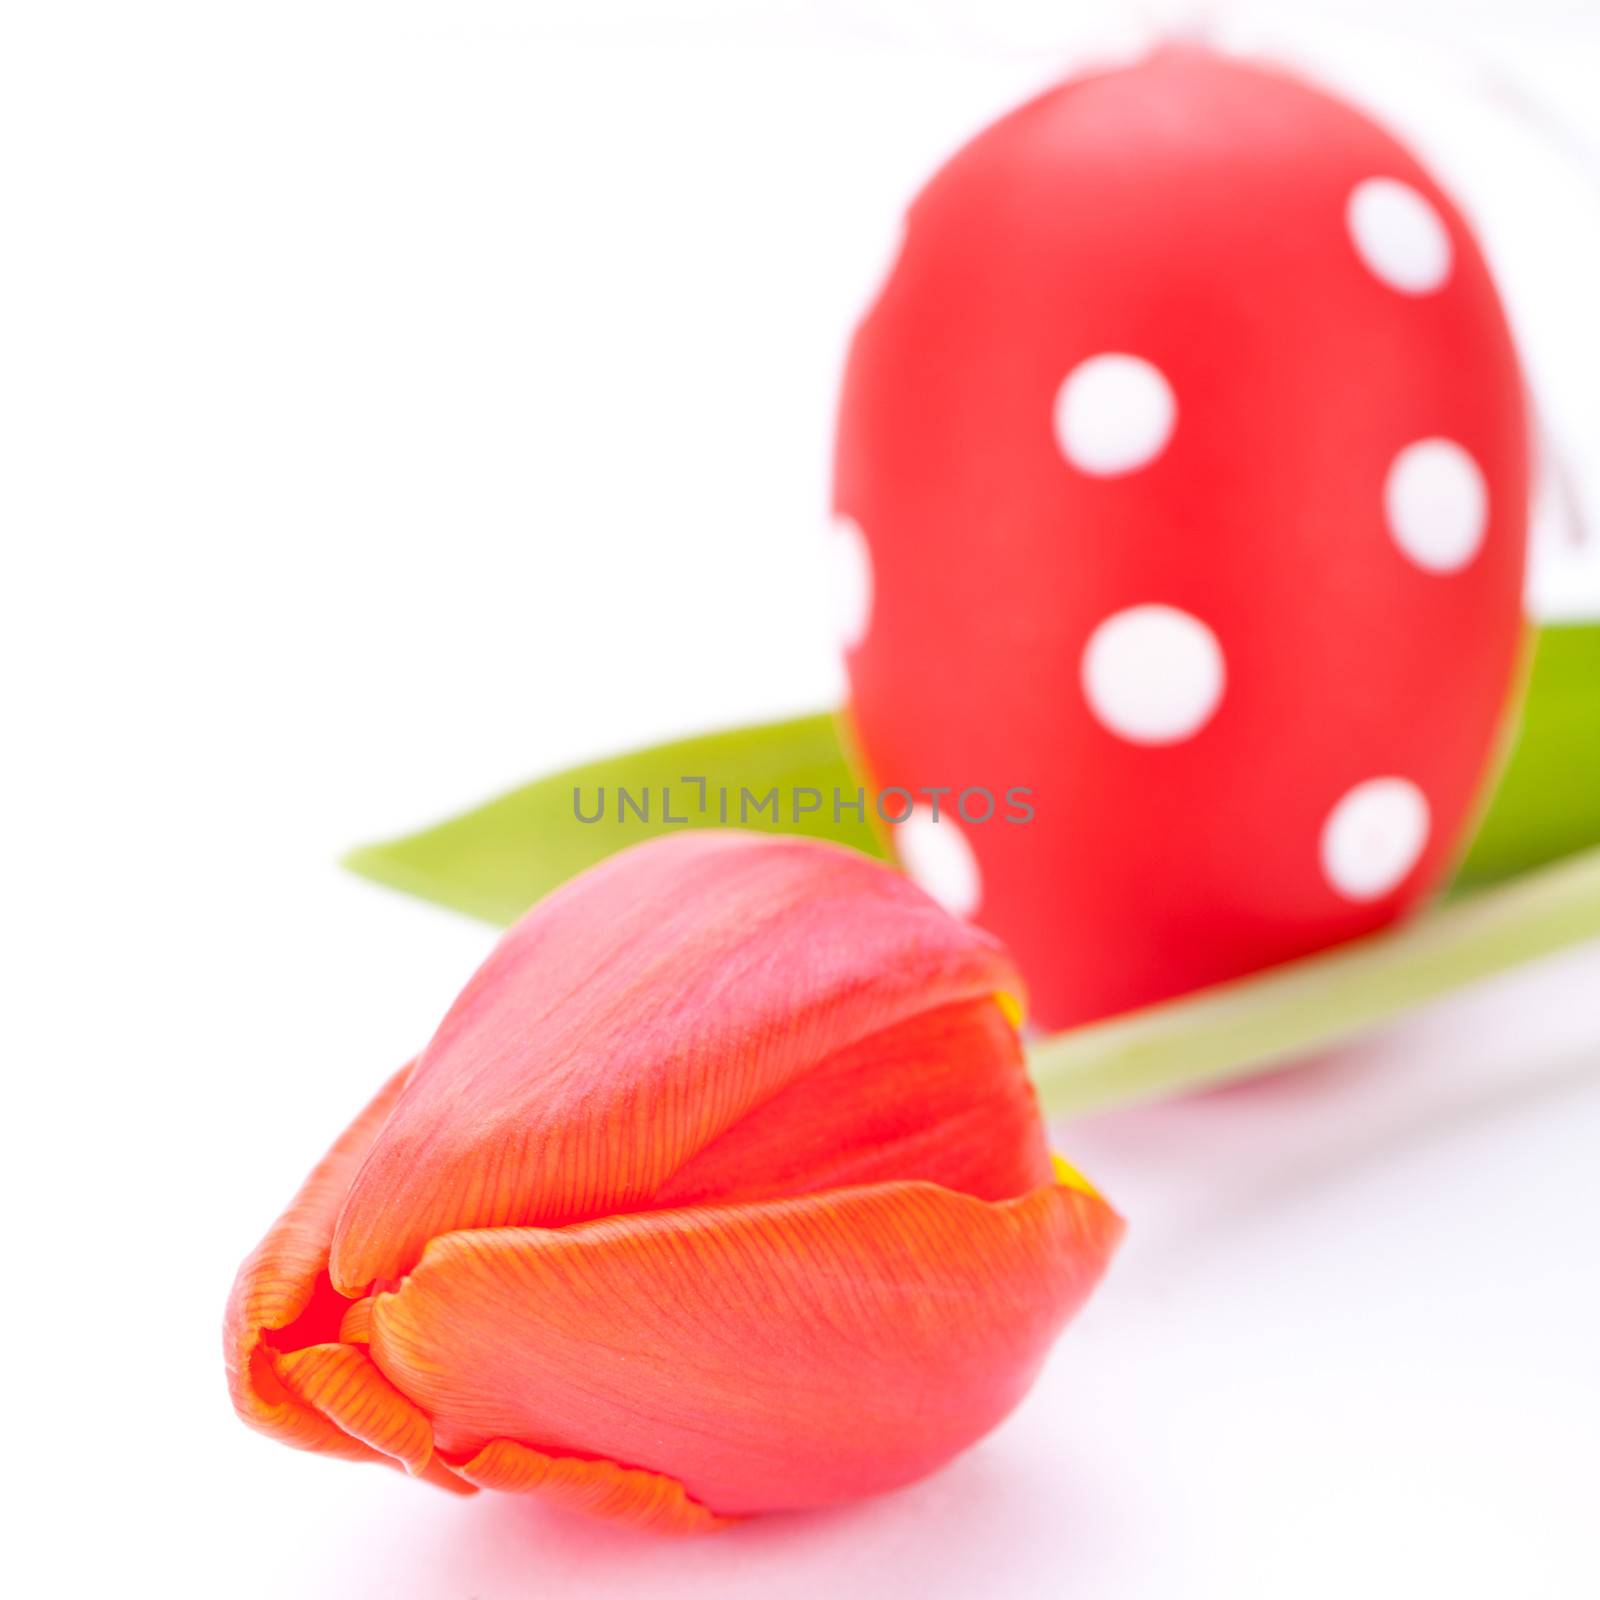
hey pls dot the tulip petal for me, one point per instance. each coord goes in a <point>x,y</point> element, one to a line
<point>635,1015</point>
<point>645,1500</point>
<point>356,1327</point>
<point>340,1381</point>
<point>773,1355</point>
<point>285,1376</point>
<point>944,1097</point>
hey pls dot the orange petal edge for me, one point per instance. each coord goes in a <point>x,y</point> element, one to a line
<point>628,1495</point>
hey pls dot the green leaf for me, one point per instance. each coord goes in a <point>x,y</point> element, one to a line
<point>1237,1029</point>
<point>1547,802</point>
<point>495,861</point>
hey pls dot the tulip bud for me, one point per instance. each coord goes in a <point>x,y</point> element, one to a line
<point>720,1189</point>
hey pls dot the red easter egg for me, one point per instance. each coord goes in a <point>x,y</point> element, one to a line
<point>1184,456</point>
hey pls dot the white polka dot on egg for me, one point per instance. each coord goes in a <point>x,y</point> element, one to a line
<point>1373,837</point>
<point>850,581</point>
<point>1114,414</point>
<point>1436,504</point>
<point>1400,237</point>
<point>1153,674</point>
<point>939,859</point>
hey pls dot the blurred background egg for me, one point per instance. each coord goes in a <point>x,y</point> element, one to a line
<point>1182,473</point>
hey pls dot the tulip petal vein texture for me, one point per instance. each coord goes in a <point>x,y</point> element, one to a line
<point>1188,449</point>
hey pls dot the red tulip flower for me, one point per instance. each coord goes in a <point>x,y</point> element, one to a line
<point>721,1189</point>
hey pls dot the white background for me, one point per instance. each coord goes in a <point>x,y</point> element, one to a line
<point>399,400</point>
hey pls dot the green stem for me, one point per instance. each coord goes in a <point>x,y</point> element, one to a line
<point>1248,1026</point>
